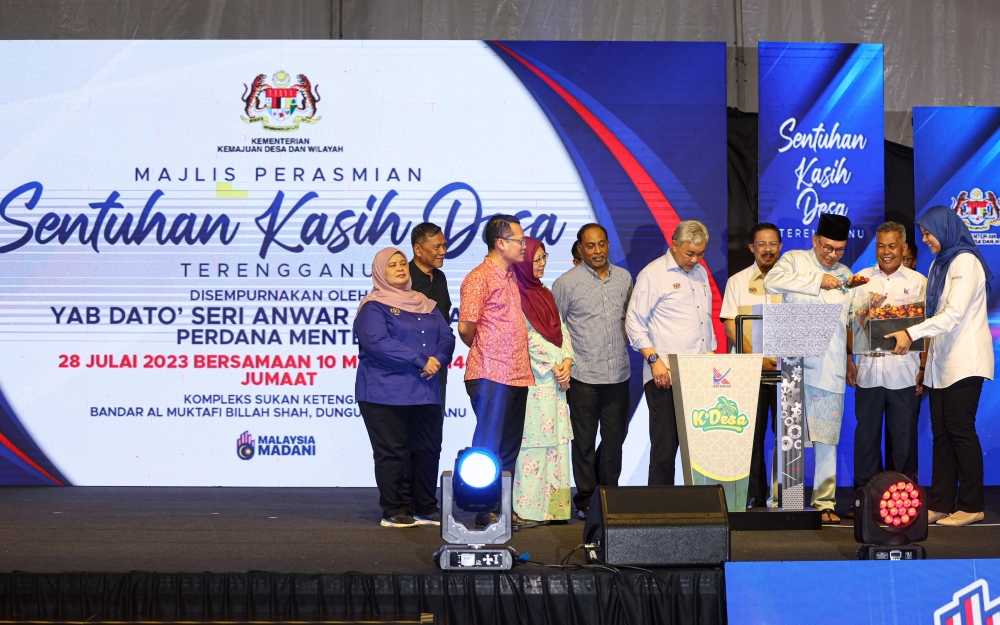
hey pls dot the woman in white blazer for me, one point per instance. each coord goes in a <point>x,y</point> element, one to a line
<point>959,359</point>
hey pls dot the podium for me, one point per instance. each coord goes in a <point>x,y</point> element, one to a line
<point>715,403</point>
<point>792,332</point>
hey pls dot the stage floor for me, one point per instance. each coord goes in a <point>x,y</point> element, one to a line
<point>334,530</point>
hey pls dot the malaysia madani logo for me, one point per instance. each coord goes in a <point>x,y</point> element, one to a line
<point>970,606</point>
<point>725,416</point>
<point>977,209</point>
<point>719,378</point>
<point>244,446</point>
<point>287,105</point>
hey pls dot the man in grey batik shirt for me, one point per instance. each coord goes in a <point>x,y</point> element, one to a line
<point>592,299</point>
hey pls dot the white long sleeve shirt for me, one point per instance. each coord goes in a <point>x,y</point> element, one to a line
<point>670,311</point>
<point>797,277</point>
<point>961,342</point>
<point>903,286</point>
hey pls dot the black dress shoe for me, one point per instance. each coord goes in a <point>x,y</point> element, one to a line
<point>485,518</point>
<point>756,502</point>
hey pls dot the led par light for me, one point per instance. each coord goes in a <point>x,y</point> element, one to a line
<point>890,514</point>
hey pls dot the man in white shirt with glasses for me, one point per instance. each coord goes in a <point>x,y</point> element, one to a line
<point>816,276</point>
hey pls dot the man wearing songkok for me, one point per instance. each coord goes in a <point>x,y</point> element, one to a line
<point>889,385</point>
<point>744,290</point>
<point>670,313</point>
<point>816,277</point>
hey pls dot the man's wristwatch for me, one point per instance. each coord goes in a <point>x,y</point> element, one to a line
<point>652,358</point>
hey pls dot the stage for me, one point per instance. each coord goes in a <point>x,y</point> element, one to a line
<point>319,554</point>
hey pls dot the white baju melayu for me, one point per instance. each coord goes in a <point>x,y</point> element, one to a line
<point>797,276</point>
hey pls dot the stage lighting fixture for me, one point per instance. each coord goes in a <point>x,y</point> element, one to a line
<point>476,485</point>
<point>890,514</point>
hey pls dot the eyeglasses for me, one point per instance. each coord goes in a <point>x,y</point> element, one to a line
<point>542,260</point>
<point>829,249</point>
<point>767,245</point>
<point>907,259</point>
<point>520,242</point>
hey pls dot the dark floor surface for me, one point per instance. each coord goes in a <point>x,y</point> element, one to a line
<point>327,530</point>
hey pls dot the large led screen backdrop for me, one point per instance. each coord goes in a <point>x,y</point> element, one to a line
<point>186,228</point>
<point>821,139</point>
<point>957,164</point>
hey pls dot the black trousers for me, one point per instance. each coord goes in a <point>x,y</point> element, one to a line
<point>767,399</point>
<point>406,442</point>
<point>662,434</point>
<point>593,406</point>
<point>958,456</point>
<point>499,412</point>
<point>901,408</point>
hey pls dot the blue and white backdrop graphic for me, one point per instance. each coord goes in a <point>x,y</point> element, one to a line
<point>957,164</point>
<point>186,229</point>
<point>821,139</point>
<point>821,151</point>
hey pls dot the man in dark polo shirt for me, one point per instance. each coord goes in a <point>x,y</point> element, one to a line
<point>429,247</point>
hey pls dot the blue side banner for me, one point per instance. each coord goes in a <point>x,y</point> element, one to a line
<point>821,140</point>
<point>957,164</point>
<point>942,592</point>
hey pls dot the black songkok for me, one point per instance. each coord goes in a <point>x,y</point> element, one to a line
<point>833,227</point>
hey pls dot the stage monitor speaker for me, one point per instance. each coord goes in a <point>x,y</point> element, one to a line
<point>658,526</point>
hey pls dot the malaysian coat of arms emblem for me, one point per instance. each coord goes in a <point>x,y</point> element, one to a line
<point>287,105</point>
<point>978,210</point>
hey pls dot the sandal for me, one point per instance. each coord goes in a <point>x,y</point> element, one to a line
<point>829,517</point>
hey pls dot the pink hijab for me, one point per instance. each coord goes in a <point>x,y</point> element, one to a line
<point>383,293</point>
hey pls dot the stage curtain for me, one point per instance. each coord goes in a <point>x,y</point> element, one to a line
<point>668,596</point>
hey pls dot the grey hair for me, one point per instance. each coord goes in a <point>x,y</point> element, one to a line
<point>692,231</point>
<point>892,226</point>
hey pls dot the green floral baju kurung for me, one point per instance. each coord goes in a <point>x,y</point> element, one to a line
<point>541,477</point>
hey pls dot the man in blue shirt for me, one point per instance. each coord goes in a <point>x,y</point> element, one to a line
<point>592,299</point>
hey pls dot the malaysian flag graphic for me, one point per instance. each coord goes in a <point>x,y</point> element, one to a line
<point>970,606</point>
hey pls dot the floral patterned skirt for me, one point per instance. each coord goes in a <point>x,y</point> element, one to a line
<point>541,484</point>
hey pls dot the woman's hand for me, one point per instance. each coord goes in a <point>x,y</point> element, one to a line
<point>431,368</point>
<point>903,342</point>
<point>562,370</point>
